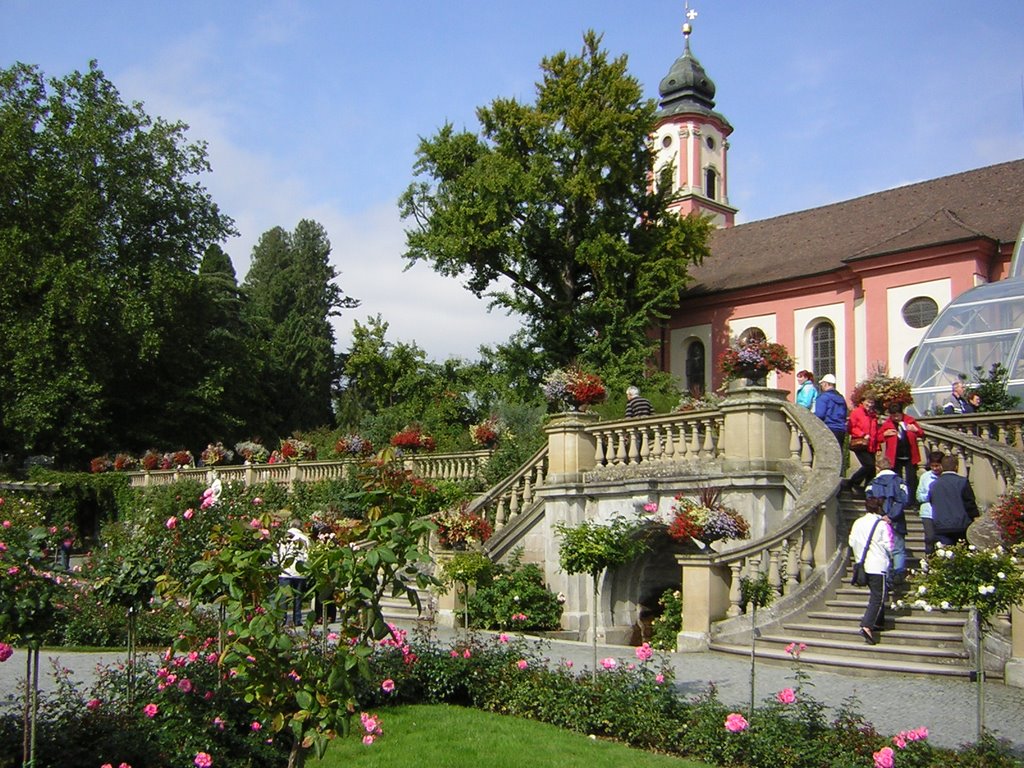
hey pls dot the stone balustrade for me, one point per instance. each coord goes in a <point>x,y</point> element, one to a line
<point>443,466</point>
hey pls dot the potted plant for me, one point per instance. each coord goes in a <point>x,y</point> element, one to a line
<point>353,445</point>
<point>753,360</point>
<point>887,390</point>
<point>459,528</point>
<point>487,433</point>
<point>705,519</point>
<point>413,439</point>
<point>573,388</point>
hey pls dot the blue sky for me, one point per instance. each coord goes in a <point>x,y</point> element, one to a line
<point>314,109</point>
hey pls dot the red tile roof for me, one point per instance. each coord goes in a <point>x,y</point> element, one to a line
<point>987,202</point>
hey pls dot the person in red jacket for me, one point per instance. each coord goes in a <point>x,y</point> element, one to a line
<point>863,429</point>
<point>898,438</point>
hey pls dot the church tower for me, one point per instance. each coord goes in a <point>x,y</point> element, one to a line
<point>693,138</point>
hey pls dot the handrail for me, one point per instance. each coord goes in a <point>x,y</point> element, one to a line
<point>787,554</point>
<point>464,465</point>
<point>512,495</point>
<point>676,437</point>
<point>1005,427</point>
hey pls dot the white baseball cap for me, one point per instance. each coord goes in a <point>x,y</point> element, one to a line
<point>828,378</point>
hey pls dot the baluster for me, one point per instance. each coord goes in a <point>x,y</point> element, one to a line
<point>774,577</point>
<point>695,438</point>
<point>538,475</point>
<point>500,514</point>
<point>709,440</point>
<point>645,445</point>
<point>600,454</point>
<point>670,443</point>
<point>806,554</point>
<point>794,440</point>
<point>679,438</point>
<point>657,451</point>
<point>633,451</point>
<point>719,437</point>
<point>792,563</point>
<point>513,507</point>
<point>734,589</point>
<point>527,490</point>
<point>621,455</point>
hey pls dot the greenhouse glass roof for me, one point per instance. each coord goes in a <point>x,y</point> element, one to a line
<point>982,326</point>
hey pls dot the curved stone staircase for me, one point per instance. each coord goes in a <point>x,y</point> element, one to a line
<point>913,642</point>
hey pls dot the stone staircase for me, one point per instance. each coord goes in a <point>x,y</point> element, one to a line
<point>913,642</point>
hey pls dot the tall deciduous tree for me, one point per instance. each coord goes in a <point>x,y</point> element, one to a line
<point>291,297</point>
<point>551,212</point>
<point>102,223</point>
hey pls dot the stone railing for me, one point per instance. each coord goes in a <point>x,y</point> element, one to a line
<point>504,501</point>
<point>1003,426</point>
<point>992,468</point>
<point>442,466</point>
<point>802,545</point>
<point>679,437</point>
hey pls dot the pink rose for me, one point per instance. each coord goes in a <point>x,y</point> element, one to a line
<point>256,725</point>
<point>203,760</point>
<point>645,652</point>
<point>93,704</point>
<point>786,696</point>
<point>172,523</point>
<point>188,516</point>
<point>502,638</point>
<point>736,722</point>
<point>659,678</point>
<point>609,663</point>
<point>522,663</point>
<point>388,685</point>
<point>151,710</point>
<point>884,758</point>
<point>6,652</point>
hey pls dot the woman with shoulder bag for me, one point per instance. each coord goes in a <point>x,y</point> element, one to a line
<point>863,429</point>
<point>871,543</point>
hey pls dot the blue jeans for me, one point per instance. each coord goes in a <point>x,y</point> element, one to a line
<point>292,588</point>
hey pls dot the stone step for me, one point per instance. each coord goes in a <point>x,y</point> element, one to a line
<point>874,664</point>
<point>851,643</point>
<point>933,622</point>
<point>894,634</point>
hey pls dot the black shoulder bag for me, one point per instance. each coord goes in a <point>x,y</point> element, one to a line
<point>860,576</point>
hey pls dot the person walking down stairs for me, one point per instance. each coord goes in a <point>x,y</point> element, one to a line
<point>872,537</point>
<point>890,489</point>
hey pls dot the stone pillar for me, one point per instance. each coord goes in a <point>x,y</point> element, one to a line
<point>1013,673</point>
<point>448,611</point>
<point>705,594</point>
<point>570,448</point>
<point>756,433</point>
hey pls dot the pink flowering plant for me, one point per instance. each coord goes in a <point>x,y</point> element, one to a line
<point>301,685</point>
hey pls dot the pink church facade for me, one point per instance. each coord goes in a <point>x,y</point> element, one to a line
<point>847,288</point>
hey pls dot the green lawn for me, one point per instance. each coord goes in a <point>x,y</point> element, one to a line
<point>441,736</point>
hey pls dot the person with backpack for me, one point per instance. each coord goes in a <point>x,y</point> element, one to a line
<point>890,489</point>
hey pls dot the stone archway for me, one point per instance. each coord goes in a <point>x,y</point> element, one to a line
<point>629,595</point>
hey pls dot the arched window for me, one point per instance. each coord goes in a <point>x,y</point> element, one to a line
<point>695,370</point>
<point>823,349</point>
<point>752,334</point>
<point>711,183</point>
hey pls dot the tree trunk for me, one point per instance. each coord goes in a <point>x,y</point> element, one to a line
<point>297,755</point>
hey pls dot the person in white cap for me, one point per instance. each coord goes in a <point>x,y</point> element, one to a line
<point>831,408</point>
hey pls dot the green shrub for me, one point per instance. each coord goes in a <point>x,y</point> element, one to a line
<point>666,628</point>
<point>515,598</point>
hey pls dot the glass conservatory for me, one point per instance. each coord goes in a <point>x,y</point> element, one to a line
<point>982,326</point>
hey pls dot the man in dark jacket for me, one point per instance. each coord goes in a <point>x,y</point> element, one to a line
<point>953,504</point>
<point>830,407</point>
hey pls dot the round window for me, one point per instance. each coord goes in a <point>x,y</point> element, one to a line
<point>920,312</point>
<point>667,141</point>
<point>710,141</point>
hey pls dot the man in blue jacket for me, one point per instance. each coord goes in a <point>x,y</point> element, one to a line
<point>831,408</point>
